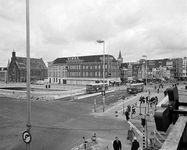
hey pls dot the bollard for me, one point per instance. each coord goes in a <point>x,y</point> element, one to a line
<point>94,137</point>
<point>85,143</point>
<point>116,113</point>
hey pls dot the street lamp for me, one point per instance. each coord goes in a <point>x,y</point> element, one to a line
<point>28,72</point>
<point>146,70</point>
<point>103,42</point>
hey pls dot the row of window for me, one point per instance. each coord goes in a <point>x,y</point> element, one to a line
<point>86,74</point>
<point>64,67</point>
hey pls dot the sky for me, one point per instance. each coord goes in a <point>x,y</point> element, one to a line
<point>65,28</point>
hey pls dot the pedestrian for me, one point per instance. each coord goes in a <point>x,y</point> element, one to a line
<point>156,100</point>
<point>127,115</point>
<point>130,134</point>
<point>135,144</point>
<point>165,93</point>
<point>117,144</point>
<point>158,90</point>
<point>149,92</point>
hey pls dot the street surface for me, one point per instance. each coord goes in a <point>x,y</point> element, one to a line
<point>61,124</point>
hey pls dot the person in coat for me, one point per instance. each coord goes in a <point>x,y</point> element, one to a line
<point>130,134</point>
<point>117,144</point>
<point>135,144</point>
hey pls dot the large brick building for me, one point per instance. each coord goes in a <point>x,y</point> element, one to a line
<point>82,70</point>
<point>17,69</point>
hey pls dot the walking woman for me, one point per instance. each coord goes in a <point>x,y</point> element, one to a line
<point>130,134</point>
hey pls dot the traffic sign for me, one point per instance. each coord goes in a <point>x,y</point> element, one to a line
<point>26,136</point>
<point>123,97</point>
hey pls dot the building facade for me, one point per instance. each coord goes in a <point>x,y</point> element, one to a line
<point>82,70</point>
<point>17,69</point>
<point>184,71</point>
<point>3,74</point>
<point>178,67</point>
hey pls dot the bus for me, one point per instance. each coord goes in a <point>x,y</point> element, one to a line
<point>95,87</point>
<point>135,88</point>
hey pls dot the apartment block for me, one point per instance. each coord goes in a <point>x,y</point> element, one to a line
<point>82,70</point>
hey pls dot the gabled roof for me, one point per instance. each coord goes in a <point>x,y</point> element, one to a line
<point>91,58</point>
<point>34,63</point>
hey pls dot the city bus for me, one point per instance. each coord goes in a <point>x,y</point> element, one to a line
<point>135,88</point>
<point>95,87</point>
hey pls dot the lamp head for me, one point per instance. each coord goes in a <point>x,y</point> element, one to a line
<point>100,41</point>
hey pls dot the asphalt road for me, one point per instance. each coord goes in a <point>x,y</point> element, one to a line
<point>56,125</point>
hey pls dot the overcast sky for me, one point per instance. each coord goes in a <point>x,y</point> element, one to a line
<point>65,28</point>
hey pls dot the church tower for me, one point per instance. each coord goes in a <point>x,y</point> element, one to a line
<point>120,59</point>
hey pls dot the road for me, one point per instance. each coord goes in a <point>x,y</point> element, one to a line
<point>58,124</point>
<point>111,97</point>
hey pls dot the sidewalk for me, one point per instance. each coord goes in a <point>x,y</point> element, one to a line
<point>136,119</point>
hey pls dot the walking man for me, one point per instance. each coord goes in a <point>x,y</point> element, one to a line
<point>117,144</point>
<point>135,144</point>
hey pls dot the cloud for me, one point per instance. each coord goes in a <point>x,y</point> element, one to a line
<point>66,27</point>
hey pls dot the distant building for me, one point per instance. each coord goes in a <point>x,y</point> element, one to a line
<point>17,69</point>
<point>136,70</point>
<point>82,70</point>
<point>184,71</point>
<point>178,67</point>
<point>3,74</point>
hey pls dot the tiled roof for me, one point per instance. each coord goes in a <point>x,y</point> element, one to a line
<point>34,63</point>
<point>91,58</point>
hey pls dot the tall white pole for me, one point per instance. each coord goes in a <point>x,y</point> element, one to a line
<point>146,73</point>
<point>28,70</point>
<point>103,42</point>
<point>146,70</point>
<point>103,75</point>
<point>103,65</point>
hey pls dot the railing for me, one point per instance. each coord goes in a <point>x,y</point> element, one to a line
<point>173,140</point>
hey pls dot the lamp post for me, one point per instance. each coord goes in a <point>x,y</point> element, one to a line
<point>146,70</point>
<point>103,42</point>
<point>28,71</point>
